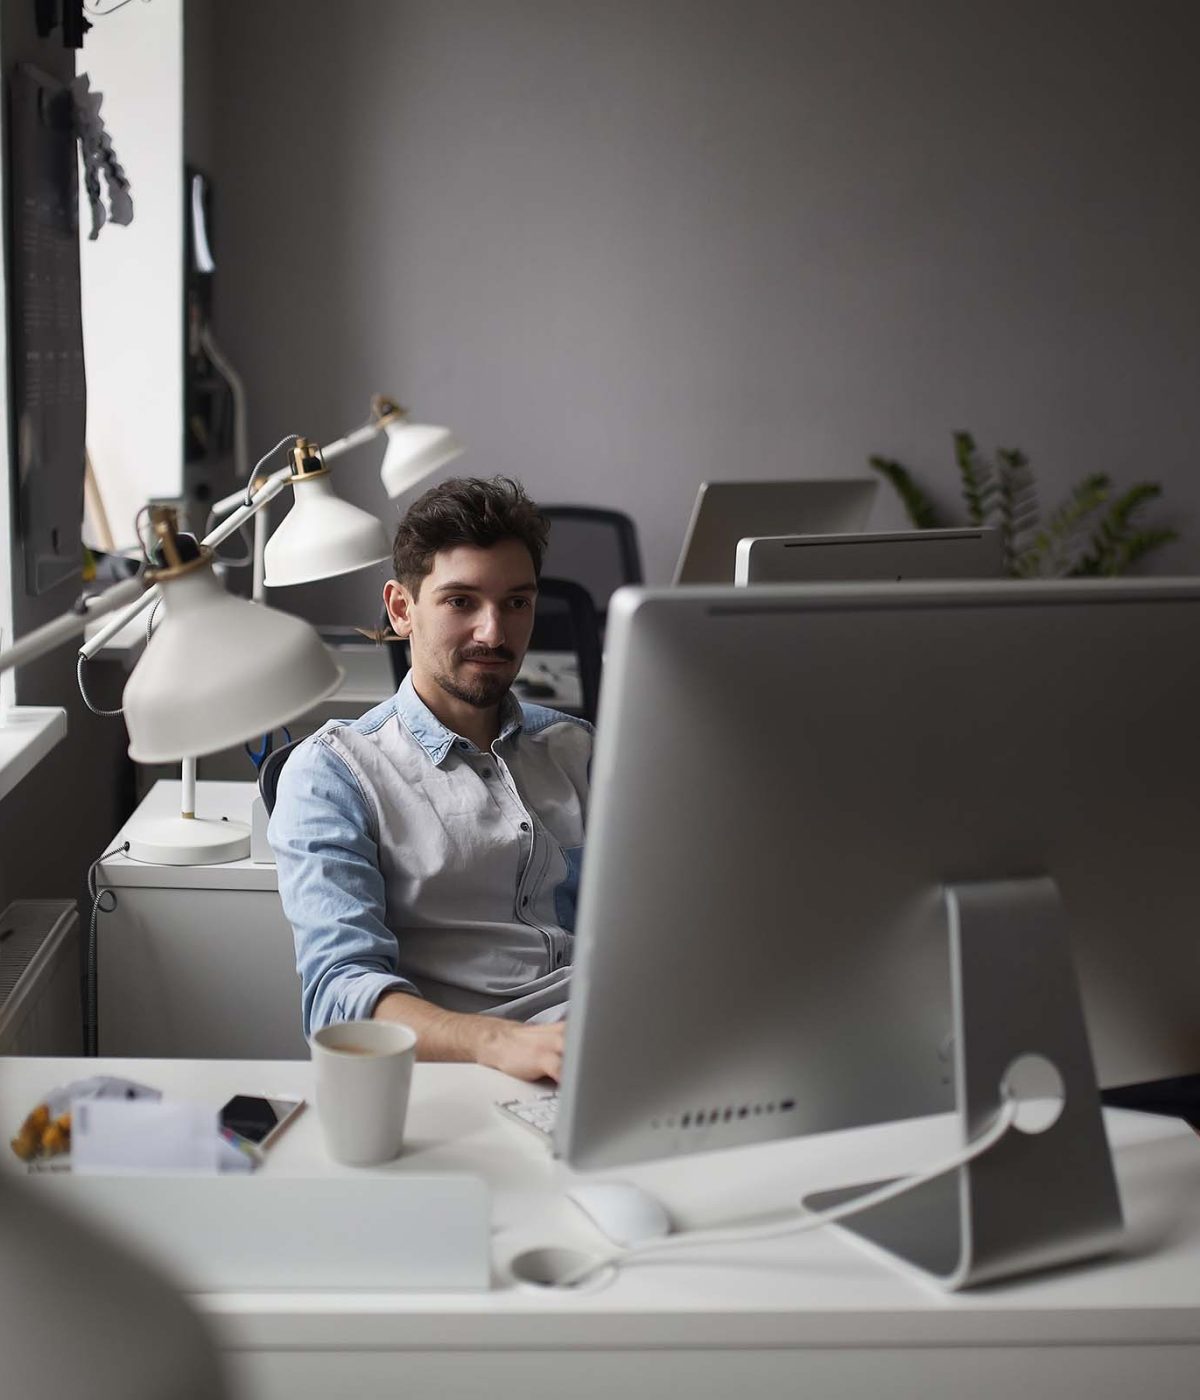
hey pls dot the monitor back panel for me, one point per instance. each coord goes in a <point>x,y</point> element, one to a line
<point>728,511</point>
<point>909,554</point>
<point>784,780</point>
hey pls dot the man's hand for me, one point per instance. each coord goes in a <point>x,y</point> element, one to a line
<point>522,1050</point>
<point>525,1051</point>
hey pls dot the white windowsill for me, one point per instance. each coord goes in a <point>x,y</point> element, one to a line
<point>27,734</point>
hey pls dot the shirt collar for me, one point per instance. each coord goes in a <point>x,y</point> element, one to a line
<point>432,734</point>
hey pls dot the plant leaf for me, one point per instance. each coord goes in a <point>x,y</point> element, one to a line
<point>976,477</point>
<point>920,509</point>
<point>1116,543</point>
<point>1015,503</point>
<point>1052,550</point>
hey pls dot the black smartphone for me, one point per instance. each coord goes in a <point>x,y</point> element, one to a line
<point>257,1119</point>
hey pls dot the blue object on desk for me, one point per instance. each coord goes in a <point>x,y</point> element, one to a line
<point>266,744</point>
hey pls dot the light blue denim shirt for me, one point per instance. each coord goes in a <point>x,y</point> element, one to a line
<point>409,860</point>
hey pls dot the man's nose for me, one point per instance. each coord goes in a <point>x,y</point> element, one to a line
<point>489,627</point>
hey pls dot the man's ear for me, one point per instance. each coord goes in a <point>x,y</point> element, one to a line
<point>398,602</point>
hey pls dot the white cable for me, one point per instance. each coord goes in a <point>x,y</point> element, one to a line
<point>150,620</point>
<point>738,1234</point>
<point>87,699</point>
<point>262,461</point>
<point>225,559</point>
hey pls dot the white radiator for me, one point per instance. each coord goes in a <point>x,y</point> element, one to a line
<point>41,1009</point>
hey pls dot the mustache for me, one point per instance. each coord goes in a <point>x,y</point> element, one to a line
<point>486,654</point>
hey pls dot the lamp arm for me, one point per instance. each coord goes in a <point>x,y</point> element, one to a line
<point>238,498</point>
<point>270,488</point>
<point>386,412</point>
<point>52,634</point>
<point>266,492</point>
<point>355,439</point>
<point>114,625</point>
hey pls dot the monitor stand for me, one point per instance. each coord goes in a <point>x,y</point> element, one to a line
<point>1046,1193</point>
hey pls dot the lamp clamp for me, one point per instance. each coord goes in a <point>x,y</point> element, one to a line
<point>306,461</point>
<point>385,411</point>
<point>176,552</point>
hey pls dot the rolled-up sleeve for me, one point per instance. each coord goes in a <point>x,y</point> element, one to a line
<point>324,835</point>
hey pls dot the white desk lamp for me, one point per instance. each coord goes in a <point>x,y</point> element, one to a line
<point>219,670</point>
<point>414,451</point>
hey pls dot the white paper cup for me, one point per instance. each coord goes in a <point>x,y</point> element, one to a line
<point>363,1072</point>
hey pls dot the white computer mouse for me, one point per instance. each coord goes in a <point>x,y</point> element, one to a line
<point>624,1212</point>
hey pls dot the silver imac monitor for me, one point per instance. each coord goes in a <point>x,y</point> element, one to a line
<point>785,779</point>
<point>727,511</point>
<point>899,555</point>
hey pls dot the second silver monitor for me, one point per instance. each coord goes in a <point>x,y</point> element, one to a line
<point>906,554</point>
<point>727,511</point>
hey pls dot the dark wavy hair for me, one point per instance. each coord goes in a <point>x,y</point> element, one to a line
<point>466,510</point>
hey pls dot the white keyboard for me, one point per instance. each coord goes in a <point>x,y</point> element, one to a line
<point>538,1115</point>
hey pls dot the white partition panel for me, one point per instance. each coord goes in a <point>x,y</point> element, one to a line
<point>132,276</point>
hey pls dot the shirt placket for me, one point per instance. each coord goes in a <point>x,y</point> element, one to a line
<point>534,863</point>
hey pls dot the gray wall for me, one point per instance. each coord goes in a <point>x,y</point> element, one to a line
<point>55,822</point>
<point>625,245</point>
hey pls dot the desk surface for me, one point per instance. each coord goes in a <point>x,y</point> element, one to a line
<point>816,1290</point>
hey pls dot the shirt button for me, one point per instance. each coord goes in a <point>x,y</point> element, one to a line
<point>524,826</point>
<point>487,773</point>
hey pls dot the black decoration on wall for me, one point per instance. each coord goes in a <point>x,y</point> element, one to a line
<point>46,329</point>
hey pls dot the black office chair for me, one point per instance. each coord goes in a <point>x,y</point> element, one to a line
<point>269,771</point>
<point>566,621</point>
<point>595,547</point>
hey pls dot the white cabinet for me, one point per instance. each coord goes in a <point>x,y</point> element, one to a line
<point>197,961</point>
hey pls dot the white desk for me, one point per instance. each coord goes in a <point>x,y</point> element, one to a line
<point>811,1314</point>
<point>197,960</point>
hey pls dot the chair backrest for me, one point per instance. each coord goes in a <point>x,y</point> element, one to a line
<point>595,547</point>
<point>566,621</point>
<point>269,771</point>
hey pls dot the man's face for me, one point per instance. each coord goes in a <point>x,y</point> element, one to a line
<point>470,623</point>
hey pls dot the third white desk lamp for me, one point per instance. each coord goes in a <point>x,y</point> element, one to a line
<point>414,450</point>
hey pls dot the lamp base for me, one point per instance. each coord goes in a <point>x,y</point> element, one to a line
<point>187,840</point>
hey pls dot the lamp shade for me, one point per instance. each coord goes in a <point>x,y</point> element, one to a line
<point>219,671</point>
<point>414,451</point>
<point>322,536</point>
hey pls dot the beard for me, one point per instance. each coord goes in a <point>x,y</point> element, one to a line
<point>484,689</point>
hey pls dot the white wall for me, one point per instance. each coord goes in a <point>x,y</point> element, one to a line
<point>625,245</point>
<point>132,276</point>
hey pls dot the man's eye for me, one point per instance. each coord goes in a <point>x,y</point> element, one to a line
<point>520,603</point>
<point>457,602</point>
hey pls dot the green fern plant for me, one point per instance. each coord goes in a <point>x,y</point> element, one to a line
<point>1091,533</point>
